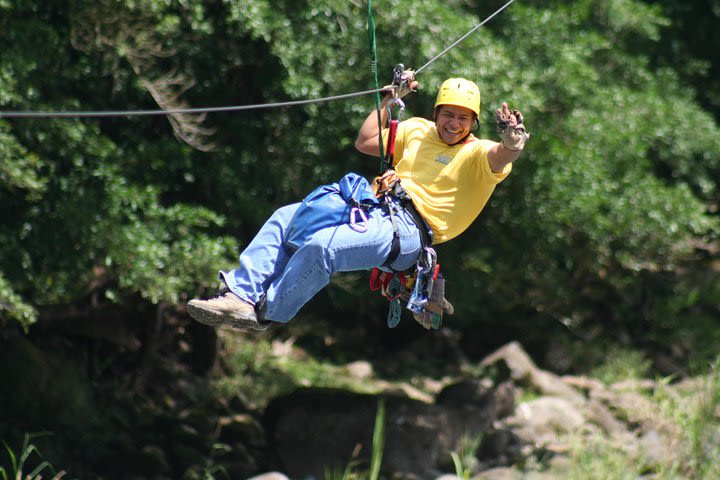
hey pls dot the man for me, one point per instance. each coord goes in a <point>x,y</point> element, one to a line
<point>449,175</point>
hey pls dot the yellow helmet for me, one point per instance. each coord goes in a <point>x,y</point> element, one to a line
<point>459,92</point>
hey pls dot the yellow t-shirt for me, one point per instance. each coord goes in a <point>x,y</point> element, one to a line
<point>449,185</point>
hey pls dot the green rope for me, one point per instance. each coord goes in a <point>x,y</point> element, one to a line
<point>373,71</point>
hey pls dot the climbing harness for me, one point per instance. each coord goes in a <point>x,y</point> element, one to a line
<point>396,284</point>
<point>395,104</point>
<point>394,199</point>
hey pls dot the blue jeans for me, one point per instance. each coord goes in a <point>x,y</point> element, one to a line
<point>290,279</point>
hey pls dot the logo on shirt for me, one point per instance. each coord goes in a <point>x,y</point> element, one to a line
<point>444,159</point>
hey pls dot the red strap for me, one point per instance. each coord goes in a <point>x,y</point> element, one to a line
<point>377,278</point>
<point>380,280</point>
<point>392,133</point>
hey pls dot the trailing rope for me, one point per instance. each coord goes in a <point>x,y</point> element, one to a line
<point>376,90</point>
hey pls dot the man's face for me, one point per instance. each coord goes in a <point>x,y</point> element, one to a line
<point>453,123</point>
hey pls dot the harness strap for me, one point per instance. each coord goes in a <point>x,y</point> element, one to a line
<point>397,198</point>
<point>395,245</point>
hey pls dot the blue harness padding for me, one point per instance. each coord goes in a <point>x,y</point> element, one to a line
<point>341,203</point>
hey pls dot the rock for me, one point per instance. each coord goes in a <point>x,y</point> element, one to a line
<point>654,450</point>
<point>404,390</point>
<point>524,372</point>
<point>496,443</point>
<point>500,400</point>
<point>601,415</point>
<point>311,429</point>
<point>360,369</point>
<point>499,473</point>
<point>270,476</point>
<point>243,428</point>
<point>541,421</point>
<point>465,391</point>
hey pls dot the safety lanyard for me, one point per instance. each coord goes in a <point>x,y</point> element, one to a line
<point>395,104</point>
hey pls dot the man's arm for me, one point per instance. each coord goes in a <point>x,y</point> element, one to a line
<point>367,140</point>
<point>499,157</point>
<point>513,135</point>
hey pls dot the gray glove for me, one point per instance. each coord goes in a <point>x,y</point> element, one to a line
<point>511,130</point>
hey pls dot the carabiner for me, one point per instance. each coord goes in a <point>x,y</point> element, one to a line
<point>360,228</point>
<point>397,82</point>
<point>424,281</point>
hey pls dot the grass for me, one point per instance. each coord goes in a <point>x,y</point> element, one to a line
<point>262,369</point>
<point>352,470</point>
<point>29,458</point>
<point>687,416</point>
<point>696,412</point>
<point>622,364</point>
<point>465,461</point>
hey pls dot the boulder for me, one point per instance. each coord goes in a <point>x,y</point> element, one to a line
<point>313,429</point>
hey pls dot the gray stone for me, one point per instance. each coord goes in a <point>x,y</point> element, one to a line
<point>524,372</point>
<point>544,420</point>
<point>315,428</point>
<point>243,428</point>
<point>270,476</point>
<point>360,369</point>
<point>499,473</point>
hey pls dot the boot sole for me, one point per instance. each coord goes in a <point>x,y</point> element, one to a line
<point>215,318</point>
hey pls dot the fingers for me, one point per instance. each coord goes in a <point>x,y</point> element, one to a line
<point>511,117</point>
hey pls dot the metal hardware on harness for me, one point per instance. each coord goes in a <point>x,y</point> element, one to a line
<point>394,312</point>
<point>424,282</point>
<point>391,285</point>
<point>398,74</point>
<point>395,100</point>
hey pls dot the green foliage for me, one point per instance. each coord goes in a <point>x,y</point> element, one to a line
<point>378,441</point>
<point>622,364</point>
<point>263,369</point>
<point>687,414</point>
<point>594,215</point>
<point>695,412</point>
<point>13,307</point>
<point>597,458</point>
<point>28,458</point>
<point>465,460</point>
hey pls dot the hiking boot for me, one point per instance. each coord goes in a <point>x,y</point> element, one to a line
<point>226,308</point>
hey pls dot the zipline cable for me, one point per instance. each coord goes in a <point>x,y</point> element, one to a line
<point>234,108</point>
<point>130,113</point>
<point>458,41</point>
